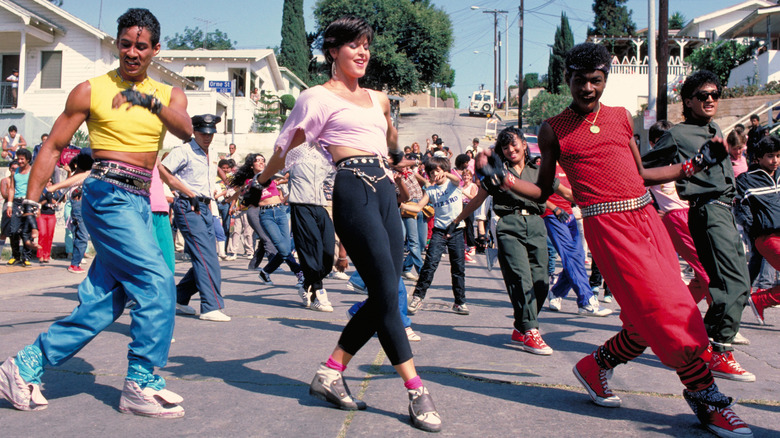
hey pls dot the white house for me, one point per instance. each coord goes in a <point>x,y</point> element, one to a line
<point>762,24</point>
<point>714,24</point>
<point>54,51</point>
<point>251,69</point>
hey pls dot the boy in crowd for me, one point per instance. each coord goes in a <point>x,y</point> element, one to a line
<point>446,197</point>
<point>759,211</point>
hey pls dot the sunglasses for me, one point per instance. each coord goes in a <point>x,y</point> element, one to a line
<point>703,95</point>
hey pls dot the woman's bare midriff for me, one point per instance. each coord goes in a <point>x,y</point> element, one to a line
<point>341,152</point>
<point>271,201</point>
<point>140,159</point>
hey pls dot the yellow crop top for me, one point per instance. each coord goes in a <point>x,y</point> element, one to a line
<point>120,129</point>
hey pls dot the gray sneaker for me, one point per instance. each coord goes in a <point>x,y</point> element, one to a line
<point>328,385</point>
<point>422,411</point>
<point>460,309</point>
<point>414,305</point>
<point>592,308</point>
<point>149,402</point>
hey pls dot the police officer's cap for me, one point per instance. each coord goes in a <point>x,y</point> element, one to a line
<point>205,123</point>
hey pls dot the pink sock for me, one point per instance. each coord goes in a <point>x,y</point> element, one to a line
<point>333,364</point>
<point>413,383</point>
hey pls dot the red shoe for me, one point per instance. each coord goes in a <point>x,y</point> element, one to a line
<point>76,269</point>
<point>707,355</point>
<point>517,337</point>
<point>760,300</point>
<point>469,258</point>
<point>722,421</point>
<point>724,365</point>
<point>594,379</point>
<point>533,343</point>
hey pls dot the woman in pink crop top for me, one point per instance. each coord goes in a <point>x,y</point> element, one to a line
<point>353,127</point>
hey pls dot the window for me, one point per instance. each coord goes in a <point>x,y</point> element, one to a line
<point>51,69</point>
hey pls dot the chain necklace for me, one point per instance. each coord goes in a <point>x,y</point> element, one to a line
<point>133,85</point>
<point>593,128</point>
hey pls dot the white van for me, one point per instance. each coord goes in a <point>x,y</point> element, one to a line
<point>482,102</point>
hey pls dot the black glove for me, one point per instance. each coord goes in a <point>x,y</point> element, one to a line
<point>561,215</point>
<point>481,243</point>
<point>710,155</point>
<point>395,156</point>
<point>451,229</point>
<point>147,101</point>
<point>493,173</point>
<point>195,205</point>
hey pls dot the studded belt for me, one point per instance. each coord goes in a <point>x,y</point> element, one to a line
<point>134,179</point>
<point>617,206</point>
<point>270,206</point>
<point>353,164</point>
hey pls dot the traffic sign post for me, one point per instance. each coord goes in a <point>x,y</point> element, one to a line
<point>221,86</point>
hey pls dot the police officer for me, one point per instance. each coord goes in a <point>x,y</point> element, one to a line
<point>188,170</point>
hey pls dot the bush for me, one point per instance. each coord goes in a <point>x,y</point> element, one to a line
<point>546,105</point>
<point>288,102</point>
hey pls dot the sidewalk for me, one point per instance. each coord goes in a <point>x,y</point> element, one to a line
<point>250,377</point>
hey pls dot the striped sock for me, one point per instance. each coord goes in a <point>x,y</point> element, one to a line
<point>696,376</point>
<point>619,349</point>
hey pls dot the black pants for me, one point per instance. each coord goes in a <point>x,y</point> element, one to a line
<point>367,221</point>
<point>457,255</point>
<point>21,233</point>
<point>721,253</point>
<point>315,242</point>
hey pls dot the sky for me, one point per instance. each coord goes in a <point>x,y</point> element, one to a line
<point>256,24</point>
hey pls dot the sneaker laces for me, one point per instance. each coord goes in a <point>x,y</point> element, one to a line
<point>604,376</point>
<point>537,338</point>
<point>731,417</point>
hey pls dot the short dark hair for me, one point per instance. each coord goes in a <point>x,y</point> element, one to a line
<point>754,117</point>
<point>142,18</point>
<point>692,83</point>
<point>739,127</point>
<point>344,30</point>
<point>657,130</point>
<point>767,145</point>
<point>24,153</point>
<point>12,128</point>
<point>12,163</point>
<point>223,162</point>
<point>461,161</point>
<point>736,138</point>
<point>45,134</point>
<point>587,57</point>
<point>505,137</point>
<point>437,163</point>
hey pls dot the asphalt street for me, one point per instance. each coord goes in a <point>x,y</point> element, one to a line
<point>250,376</point>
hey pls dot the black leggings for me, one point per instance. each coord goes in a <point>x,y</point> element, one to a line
<point>368,224</point>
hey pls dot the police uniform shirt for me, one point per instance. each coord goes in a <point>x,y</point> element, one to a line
<point>192,166</point>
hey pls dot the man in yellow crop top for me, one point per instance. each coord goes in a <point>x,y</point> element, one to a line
<point>127,114</point>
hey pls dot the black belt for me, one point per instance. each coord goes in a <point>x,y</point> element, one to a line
<point>724,201</point>
<point>266,207</point>
<point>202,199</point>
<point>519,212</point>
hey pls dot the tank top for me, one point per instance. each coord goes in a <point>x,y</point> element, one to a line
<point>600,167</point>
<point>122,129</point>
<point>20,183</point>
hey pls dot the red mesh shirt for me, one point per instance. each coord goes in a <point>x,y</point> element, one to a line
<point>600,166</point>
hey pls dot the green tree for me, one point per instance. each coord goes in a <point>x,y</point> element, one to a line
<point>532,80</point>
<point>721,56</point>
<point>612,18</point>
<point>294,53</point>
<point>194,38</point>
<point>268,115</point>
<point>546,105</point>
<point>677,20</point>
<point>564,41</point>
<point>412,41</point>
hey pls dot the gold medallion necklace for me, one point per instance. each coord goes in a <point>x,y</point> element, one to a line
<point>593,128</point>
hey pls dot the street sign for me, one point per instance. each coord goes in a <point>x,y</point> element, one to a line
<point>221,86</point>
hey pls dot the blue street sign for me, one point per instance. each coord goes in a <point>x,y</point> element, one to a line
<point>221,85</point>
<point>222,90</point>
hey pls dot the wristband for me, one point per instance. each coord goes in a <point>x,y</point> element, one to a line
<point>30,206</point>
<point>688,167</point>
<point>342,258</point>
<point>509,181</point>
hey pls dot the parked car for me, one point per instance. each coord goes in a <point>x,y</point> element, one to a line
<point>482,103</point>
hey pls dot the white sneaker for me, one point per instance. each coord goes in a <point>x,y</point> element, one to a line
<point>492,255</point>
<point>338,275</point>
<point>231,257</point>
<point>214,315</point>
<point>593,309</point>
<point>184,309</point>
<point>554,303</point>
<point>305,297</point>
<point>149,402</point>
<point>410,275</point>
<point>740,340</point>
<point>412,336</point>
<point>321,303</point>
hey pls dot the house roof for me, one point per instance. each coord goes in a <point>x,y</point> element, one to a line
<point>250,55</point>
<point>725,11</point>
<point>287,72</point>
<point>29,17</point>
<point>754,25</point>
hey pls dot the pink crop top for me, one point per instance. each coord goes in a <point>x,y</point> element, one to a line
<point>328,119</point>
<point>270,191</point>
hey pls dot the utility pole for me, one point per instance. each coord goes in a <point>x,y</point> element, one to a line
<point>663,58</point>
<point>521,87</point>
<point>651,57</point>
<point>496,53</point>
